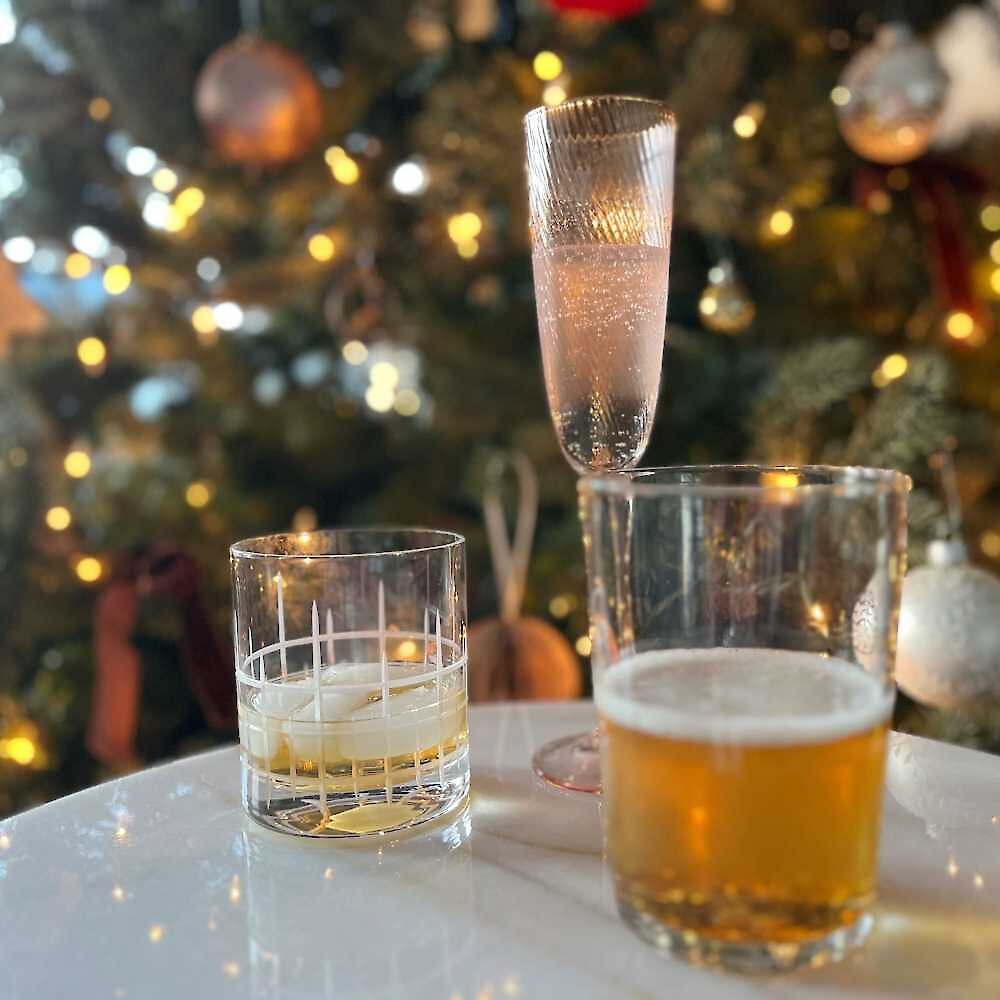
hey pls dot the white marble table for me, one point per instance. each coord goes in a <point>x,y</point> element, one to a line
<point>156,886</point>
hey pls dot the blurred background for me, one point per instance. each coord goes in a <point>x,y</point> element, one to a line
<point>265,267</point>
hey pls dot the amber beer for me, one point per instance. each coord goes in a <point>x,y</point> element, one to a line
<point>743,791</point>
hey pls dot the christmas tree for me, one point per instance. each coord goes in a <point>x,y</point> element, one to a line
<point>266,267</point>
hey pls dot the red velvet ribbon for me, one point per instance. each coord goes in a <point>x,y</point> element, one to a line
<point>114,717</point>
<point>937,187</point>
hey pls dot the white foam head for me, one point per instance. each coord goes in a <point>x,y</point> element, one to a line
<point>754,696</point>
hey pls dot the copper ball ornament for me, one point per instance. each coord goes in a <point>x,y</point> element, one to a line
<point>259,103</point>
<point>521,660</point>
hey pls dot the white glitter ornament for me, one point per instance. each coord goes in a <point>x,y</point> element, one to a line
<point>893,90</point>
<point>948,651</point>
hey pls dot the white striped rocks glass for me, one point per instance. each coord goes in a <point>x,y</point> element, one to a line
<point>351,678</point>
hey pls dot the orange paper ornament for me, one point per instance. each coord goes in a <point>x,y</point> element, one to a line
<point>511,657</point>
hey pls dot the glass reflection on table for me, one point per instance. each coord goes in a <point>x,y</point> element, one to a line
<point>411,932</point>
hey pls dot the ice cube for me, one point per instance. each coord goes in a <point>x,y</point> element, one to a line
<point>262,736</point>
<point>415,722</point>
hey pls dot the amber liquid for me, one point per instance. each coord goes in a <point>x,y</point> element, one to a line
<point>743,795</point>
<point>353,761</point>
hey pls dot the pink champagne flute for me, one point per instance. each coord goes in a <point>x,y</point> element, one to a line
<point>600,191</point>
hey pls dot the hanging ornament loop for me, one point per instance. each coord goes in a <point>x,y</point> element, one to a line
<point>250,16</point>
<point>510,557</point>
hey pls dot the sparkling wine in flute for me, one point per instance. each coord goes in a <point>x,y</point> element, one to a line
<point>601,318</point>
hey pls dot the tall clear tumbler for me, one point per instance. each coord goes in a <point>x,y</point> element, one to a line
<point>600,188</point>
<point>744,623</point>
<point>351,677</point>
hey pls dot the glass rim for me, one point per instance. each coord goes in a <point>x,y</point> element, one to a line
<point>252,548</point>
<point>858,479</point>
<point>543,111</point>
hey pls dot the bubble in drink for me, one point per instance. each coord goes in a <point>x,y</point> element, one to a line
<point>601,318</point>
<point>743,791</point>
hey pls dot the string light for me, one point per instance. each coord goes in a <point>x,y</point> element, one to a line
<point>990,217</point>
<point>89,569</point>
<point>409,178</point>
<point>199,493</point>
<point>190,201</point>
<point>165,180</point>
<point>840,96</point>
<point>959,325</point>
<point>989,542</point>
<point>77,463</point>
<point>384,373</point>
<point>91,241</point>
<point>995,281</point>
<point>354,352</point>
<point>893,367</point>
<point>174,220</point>
<point>746,123</point>
<point>19,249</point>
<point>344,167</point>
<point>553,95</point>
<point>117,893</point>
<point>744,126</point>
<point>231,969</point>
<point>58,518</point>
<point>779,480</point>
<point>560,606</point>
<point>140,160</point>
<point>91,352</point>
<point>407,403</point>
<point>156,933</point>
<point>77,265</point>
<point>99,109</point>
<point>321,247</point>
<point>203,321</point>
<point>879,202</point>
<point>995,251</point>
<point>547,65</point>
<point>380,398</point>
<point>304,520</point>
<point>20,749</point>
<point>117,279</point>
<point>208,269</point>
<point>467,249</point>
<point>228,315</point>
<point>781,222</point>
<point>464,226</point>
<point>583,645</point>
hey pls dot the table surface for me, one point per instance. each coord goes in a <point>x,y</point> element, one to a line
<point>157,886</point>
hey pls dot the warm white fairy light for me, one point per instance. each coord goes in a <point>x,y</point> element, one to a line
<point>409,178</point>
<point>91,241</point>
<point>140,161</point>
<point>19,249</point>
<point>354,352</point>
<point>208,269</point>
<point>228,315</point>
<point>384,373</point>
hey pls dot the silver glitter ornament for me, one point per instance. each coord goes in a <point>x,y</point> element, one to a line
<point>890,96</point>
<point>948,651</point>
